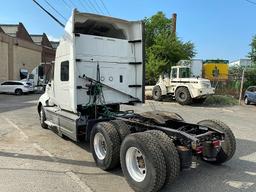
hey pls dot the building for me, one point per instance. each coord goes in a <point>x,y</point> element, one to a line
<point>241,63</point>
<point>19,55</point>
<point>55,44</point>
<point>48,51</point>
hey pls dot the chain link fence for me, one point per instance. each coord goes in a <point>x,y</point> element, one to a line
<point>232,86</point>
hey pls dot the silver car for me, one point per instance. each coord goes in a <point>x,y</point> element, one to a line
<point>17,87</point>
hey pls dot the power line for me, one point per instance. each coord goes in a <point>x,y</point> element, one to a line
<point>56,10</point>
<point>99,7</point>
<point>67,5</point>
<point>82,4</point>
<point>252,2</point>
<point>74,6</point>
<point>105,7</point>
<point>88,5</point>
<point>54,18</point>
<point>93,6</point>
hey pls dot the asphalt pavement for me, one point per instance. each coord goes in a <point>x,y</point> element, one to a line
<point>36,159</point>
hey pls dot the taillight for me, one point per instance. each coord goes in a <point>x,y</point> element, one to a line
<point>216,144</point>
<point>199,149</point>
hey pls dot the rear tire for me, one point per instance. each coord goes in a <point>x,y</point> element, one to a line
<point>122,128</point>
<point>143,162</point>
<point>228,148</point>
<point>157,93</point>
<point>183,96</point>
<point>170,154</point>
<point>42,118</point>
<point>105,145</point>
<point>18,92</point>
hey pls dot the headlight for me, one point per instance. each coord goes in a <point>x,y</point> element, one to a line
<point>207,85</point>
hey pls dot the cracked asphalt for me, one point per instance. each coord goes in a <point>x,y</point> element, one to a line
<point>35,159</point>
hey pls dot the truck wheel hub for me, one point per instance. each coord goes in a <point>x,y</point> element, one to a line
<point>135,162</point>
<point>182,96</point>
<point>99,144</point>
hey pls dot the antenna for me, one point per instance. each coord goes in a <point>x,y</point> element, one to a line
<point>54,18</point>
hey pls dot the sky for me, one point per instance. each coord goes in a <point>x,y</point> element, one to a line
<point>220,29</point>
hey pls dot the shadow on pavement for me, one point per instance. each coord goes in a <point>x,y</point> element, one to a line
<point>235,175</point>
<point>14,102</point>
<point>50,171</point>
<point>47,159</point>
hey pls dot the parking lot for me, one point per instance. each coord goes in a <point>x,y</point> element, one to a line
<point>35,159</point>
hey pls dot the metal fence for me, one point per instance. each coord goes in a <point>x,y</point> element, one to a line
<point>235,84</point>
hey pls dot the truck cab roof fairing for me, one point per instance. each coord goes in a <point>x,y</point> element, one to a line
<point>98,25</point>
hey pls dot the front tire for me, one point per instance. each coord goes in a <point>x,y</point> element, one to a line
<point>157,93</point>
<point>246,101</point>
<point>228,148</point>
<point>42,117</point>
<point>143,162</point>
<point>183,96</point>
<point>105,145</point>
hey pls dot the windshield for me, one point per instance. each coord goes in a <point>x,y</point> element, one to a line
<point>184,73</point>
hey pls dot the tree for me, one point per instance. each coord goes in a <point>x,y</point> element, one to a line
<point>252,54</point>
<point>250,73</point>
<point>163,48</point>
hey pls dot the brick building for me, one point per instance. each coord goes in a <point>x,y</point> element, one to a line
<point>19,55</point>
<point>48,51</point>
<point>21,52</point>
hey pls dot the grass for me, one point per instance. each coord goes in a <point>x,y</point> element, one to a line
<point>221,100</point>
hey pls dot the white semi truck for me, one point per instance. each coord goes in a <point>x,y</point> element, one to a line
<point>39,76</point>
<point>99,66</point>
<point>181,86</point>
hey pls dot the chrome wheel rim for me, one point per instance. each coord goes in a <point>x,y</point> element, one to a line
<point>135,163</point>
<point>99,144</point>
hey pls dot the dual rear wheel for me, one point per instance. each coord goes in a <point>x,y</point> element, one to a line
<point>148,159</point>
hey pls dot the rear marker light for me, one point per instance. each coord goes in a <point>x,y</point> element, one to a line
<point>216,144</point>
<point>199,149</point>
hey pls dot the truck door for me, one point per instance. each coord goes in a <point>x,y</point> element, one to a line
<point>173,79</point>
<point>62,80</point>
<point>174,74</point>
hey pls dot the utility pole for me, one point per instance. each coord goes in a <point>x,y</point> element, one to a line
<point>174,23</point>
<point>241,87</point>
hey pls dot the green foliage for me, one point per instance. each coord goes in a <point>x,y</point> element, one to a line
<point>163,48</point>
<point>249,75</point>
<point>252,54</point>
<point>220,100</point>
